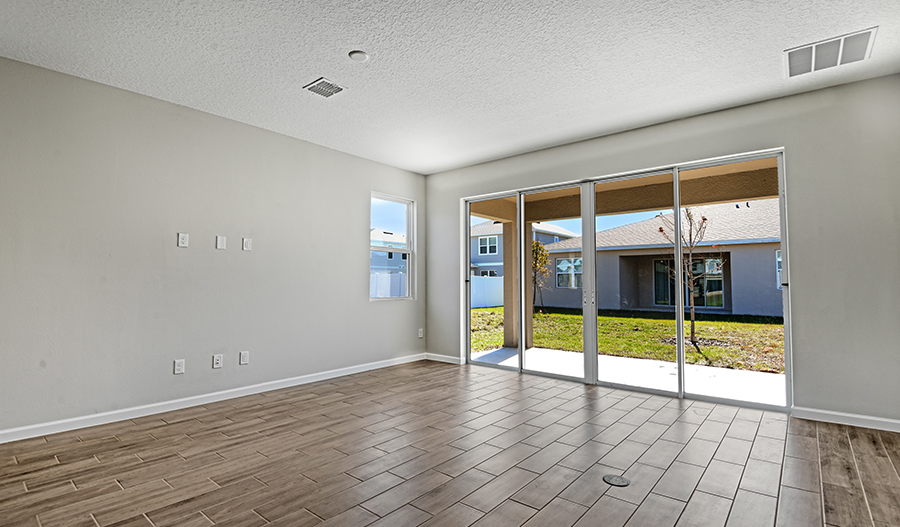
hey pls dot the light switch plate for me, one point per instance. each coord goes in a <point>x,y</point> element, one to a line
<point>182,239</point>
<point>179,367</point>
<point>247,243</point>
<point>245,357</point>
<point>220,242</point>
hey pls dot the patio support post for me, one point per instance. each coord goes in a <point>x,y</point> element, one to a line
<point>510,287</point>
<point>529,287</point>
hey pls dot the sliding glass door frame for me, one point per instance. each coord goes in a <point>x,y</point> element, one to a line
<point>589,279</point>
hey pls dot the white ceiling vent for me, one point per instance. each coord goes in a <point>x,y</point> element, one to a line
<point>323,87</point>
<point>828,53</point>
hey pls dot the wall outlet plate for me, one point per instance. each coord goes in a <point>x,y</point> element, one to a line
<point>182,239</point>
<point>217,360</point>
<point>421,332</point>
<point>247,244</point>
<point>179,367</point>
<point>220,242</point>
<point>245,357</point>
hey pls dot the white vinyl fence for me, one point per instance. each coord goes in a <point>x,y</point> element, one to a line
<point>384,285</point>
<point>487,291</point>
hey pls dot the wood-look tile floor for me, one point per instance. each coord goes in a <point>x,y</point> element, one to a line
<point>441,445</point>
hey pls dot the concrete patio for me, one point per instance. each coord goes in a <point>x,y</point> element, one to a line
<point>740,385</point>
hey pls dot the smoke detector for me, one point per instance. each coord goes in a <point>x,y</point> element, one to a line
<point>828,53</point>
<point>323,87</point>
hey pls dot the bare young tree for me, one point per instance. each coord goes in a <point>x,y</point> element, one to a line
<point>540,262</point>
<point>693,229</point>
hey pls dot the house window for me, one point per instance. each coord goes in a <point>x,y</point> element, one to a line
<point>487,245</point>
<point>568,273</point>
<point>778,268</point>
<point>708,288</point>
<point>489,273</point>
<point>390,234</point>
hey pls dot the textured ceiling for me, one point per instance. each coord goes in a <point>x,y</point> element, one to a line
<point>448,84</point>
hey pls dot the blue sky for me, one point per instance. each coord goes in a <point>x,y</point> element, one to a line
<point>388,215</point>
<point>602,223</point>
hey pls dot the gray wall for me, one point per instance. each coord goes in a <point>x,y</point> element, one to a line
<point>96,301</point>
<point>842,198</point>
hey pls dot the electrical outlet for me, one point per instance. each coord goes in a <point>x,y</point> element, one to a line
<point>421,332</point>
<point>182,239</point>
<point>220,242</point>
<point>217,361</point>
<point>245,357</point>
<point>247,244</point>
<point>179,367</point>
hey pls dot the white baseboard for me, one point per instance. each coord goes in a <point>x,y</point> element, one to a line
<point>444,358</point>
<point>63,425</point>
<point>865,421</point>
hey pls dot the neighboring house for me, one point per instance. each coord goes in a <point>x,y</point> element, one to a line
<point>486,244</point>
<point>634,264</point>
<point>388,271</point>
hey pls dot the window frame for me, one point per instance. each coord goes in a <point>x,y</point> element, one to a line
<point>488,245</point>
<point>408,252</point>
<point>687,291</point>
<point>572,274</point>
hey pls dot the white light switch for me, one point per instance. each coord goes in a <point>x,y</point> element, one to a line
<point>182,239</point>
<point>220,242</point>
<point>247,244</point>
<point>245,357</point>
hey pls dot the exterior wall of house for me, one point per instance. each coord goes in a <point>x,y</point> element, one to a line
<point>493,262</point>
<point>625,280</point>
<point>841,160</point>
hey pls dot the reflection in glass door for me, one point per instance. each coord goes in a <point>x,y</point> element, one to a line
<point>636,297</point>
<point>553,280</point>
<point>734,317</point>
<point>493,282</point>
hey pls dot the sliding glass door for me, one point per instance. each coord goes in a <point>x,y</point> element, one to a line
<point>679,287</point>
<point>637,343</point>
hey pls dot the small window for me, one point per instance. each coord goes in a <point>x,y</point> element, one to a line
<point>390,233</point>
<point>778,268</point>
<point>487,245</point>
<point>568,273</point>
<point>489,273</point>
<point>709,283</point>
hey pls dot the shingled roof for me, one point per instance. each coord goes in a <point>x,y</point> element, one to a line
<point>490,227</point>
<point>750,222</point>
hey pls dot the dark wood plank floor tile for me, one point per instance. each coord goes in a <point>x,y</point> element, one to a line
<point>499,489</point>
<point>582,434</point>
<point>589,487</point>
<point>608,512</point>
<point>508,514</point>
<point>469,459</point>
<point>406,516</point>
<point>546,457</point>
<point>884,502</point>
<point>586,455</point>
<point>801,427</point>
<point>679,481</point>
<point>557,513</point>
<point>845,506</point>
<point>538,493</point>
<point>405,492</point>
<point>173,514</point>
<point>478,437</point>
<point>507,458</point>
<point>458,515</point>
<point>427,461</point>
<point>752,510</point>
<point>355,517</point>
<point>444,496</point>
<point>624,455</point>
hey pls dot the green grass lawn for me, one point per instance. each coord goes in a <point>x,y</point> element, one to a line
<point>726,344</point>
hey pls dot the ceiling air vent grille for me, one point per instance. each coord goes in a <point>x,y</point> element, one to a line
<point>323,87</point>
<point>831,52</point>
